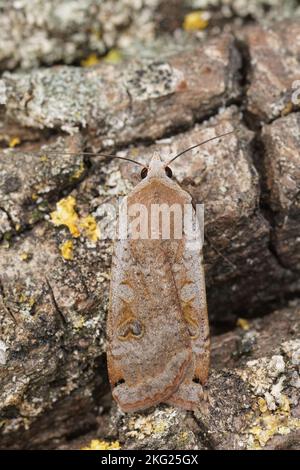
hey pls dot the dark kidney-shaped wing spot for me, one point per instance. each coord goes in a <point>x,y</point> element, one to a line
<point>130,329</point>
<point>120,382</point>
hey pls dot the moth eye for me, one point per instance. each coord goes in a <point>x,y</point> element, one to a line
<point>120,382</point>
<point>144,173</point>
<point>168,172</point>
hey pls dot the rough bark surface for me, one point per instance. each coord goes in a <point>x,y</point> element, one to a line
<point>53,384</point>
<point>34,33</point>
<point>140,101</point>
<point>253,396</point>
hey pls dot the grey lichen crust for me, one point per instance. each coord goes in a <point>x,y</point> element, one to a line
<point>260,10</point>
<point>140,100</point>
<point>25,201</point>
<point>34,32</point>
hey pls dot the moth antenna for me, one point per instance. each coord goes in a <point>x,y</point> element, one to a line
<point>228,261</point>
<point>114,156</point>
<point>197,145</point>
<point>90,154</point>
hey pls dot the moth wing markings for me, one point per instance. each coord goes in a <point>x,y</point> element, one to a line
<point>121,266</point>
<point>195,313</point>
<point>190,280</point>
<point>152,391</point>
<point>149,380</point>
<point>173,383</point>
<point>189,394</point>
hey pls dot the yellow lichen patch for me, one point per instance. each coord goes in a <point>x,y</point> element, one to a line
<point>34,196</point>
<point>284,403</point>
<point>183,437</point>
<point>159,427</point>
<point>14,141</point>
<point>195,21</point>
<point>79,172</point>
<point>24,299</point>
<point>65,214</point>
<point>90,228</point>
<point>78,322</point>
<point>134,152</point>
<point>270,424</point>
<point>287,109</point>
<point>25,256</point>
<point>66,250</point>
<point>243,323</point>
<point>262,404</point>
<point>145,426</point>
<point>96,444</point>
<point>113,56</point>
<point>18,227</point>
<point>44,158</point>
<point>90,60</point>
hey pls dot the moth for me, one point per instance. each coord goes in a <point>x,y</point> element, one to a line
<point>157,327</point>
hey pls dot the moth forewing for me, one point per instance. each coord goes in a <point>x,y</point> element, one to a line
<point>149,349</point>
<point>157,323</point>
<point>190,282</point>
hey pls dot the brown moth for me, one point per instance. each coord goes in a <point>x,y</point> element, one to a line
<point>157,327</point>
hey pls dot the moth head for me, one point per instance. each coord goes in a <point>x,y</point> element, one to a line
<point>159,169</point>
<point>156,169</point>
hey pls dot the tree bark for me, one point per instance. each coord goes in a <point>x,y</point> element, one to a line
<point>52,309</point>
